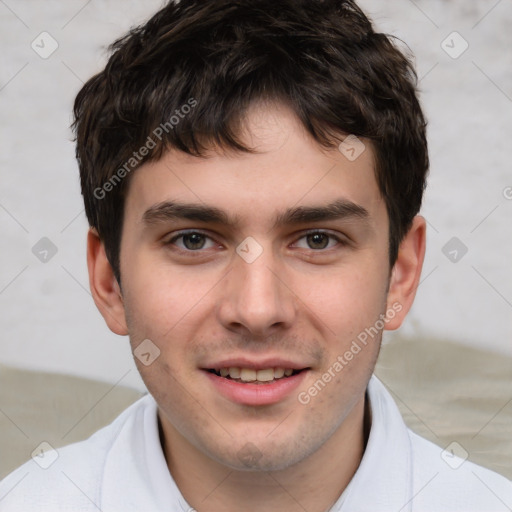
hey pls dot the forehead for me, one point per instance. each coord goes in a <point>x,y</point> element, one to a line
<point>288,168</point>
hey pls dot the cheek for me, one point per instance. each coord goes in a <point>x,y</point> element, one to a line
<point>348,300</point>
<point>161,299</point>
<point>168,309</point>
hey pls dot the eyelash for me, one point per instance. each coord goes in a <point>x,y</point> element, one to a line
<point>181,234</point>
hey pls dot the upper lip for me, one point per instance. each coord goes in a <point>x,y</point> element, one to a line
<point>243,362</point>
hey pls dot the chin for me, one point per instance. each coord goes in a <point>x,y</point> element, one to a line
<point>263,456</point>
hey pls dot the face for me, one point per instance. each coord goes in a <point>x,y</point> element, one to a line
<point>239,267</point>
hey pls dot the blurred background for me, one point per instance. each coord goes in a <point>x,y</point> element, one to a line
<point>463,56</point>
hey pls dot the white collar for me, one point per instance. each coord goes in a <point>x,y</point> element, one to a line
<point>136,476</point>
<point>384,478</point>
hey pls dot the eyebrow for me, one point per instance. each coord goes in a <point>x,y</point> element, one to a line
<point>340,209</point>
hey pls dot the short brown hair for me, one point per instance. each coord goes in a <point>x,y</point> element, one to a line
<point>189,74</point>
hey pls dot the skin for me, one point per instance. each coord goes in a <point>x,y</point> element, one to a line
<point>297,300</point>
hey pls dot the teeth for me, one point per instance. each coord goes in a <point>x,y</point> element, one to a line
<point>234,373</point>
<point>265,375</point>
<point>247,375</point>
<point>250,375</point>
<point>278,373</point>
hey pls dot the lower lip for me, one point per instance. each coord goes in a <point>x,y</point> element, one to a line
<point>257,394</point>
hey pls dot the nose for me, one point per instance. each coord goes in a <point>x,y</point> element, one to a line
<point>255,299</point>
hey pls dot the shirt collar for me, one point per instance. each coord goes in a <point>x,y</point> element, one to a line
<point>136,476</point>
<point>383,480</point>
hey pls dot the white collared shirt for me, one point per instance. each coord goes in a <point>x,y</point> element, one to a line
<point>122,468</point>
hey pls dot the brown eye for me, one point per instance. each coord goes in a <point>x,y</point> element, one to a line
<point>318,240</point>
<point>193,241</point>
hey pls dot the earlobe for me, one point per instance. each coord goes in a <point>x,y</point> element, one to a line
<point>104,286</point>
<point>406,273</point>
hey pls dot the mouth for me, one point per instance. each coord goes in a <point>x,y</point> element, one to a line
<point>256,385</point>
<point>263,376</point>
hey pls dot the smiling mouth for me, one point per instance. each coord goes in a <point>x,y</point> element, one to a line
<point>252,376</point>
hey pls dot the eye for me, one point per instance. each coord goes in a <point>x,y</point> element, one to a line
<point>320,240</point>
<point>191,241</point>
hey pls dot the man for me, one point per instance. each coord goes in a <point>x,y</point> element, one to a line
<point>252,173</point>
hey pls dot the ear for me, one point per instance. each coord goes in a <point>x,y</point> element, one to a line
<point>104,286</point>
<point>405,276</point>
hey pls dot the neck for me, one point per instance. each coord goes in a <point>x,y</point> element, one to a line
<point>313,484</point>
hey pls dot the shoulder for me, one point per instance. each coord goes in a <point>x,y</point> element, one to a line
<point>68,478</point>
<point>444,479</point>
<point>438,477</point>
